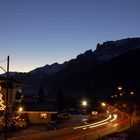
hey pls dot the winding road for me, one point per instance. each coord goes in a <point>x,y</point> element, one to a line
<point>115,121</point>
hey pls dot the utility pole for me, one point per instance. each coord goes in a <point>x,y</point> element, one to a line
<point>7,86</point>
<point>130,108</point>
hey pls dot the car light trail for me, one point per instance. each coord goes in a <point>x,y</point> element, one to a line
<point>88,125</point>
<point>103,122</point>
<point>98,125</point>
<point>115,117</point>
<point>107,111</point>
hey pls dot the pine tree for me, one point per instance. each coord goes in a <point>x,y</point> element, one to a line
<point>41,95</point>
<point>60,100</point>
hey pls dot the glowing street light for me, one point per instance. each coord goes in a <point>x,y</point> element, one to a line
<point>130,105</point>
<point>84,103</point>
<point>20,109</point>
<point>103,104</point>
<point>119,88</point>
<point>121,94</point>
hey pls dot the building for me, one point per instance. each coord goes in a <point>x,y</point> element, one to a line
<point>35,112</point>
<point>14,91</point>
<point>39,113</point>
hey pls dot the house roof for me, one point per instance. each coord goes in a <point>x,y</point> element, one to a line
<point>46,106</point>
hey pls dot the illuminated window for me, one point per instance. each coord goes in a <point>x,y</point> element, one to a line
<point>43,115</point>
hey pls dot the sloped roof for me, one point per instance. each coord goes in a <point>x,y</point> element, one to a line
<point>46,106</point>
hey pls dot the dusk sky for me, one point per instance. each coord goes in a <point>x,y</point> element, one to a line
<point>39,32</point>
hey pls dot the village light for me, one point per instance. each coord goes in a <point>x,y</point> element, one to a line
<point>119,88</point>
<point>121,94</point>
<point>103,104</point>
<point>84,103</point>
<point>20,109</point>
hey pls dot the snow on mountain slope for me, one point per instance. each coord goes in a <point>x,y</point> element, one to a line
<point>111,49</point>
<point>103,52</point>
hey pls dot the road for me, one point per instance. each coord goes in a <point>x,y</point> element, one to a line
<point>115,121</point>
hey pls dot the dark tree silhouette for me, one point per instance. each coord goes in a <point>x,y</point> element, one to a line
<point>60,100</point>
<point>41,94</point>
<point>18,95</point>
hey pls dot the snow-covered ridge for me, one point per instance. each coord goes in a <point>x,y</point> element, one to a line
<point>111,49</point>
<point>103,52</point>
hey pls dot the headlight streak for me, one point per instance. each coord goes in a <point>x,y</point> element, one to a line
<point>88,125</point>
<point>103,122</point>
<point>98,124</point>
<point>107,111</point>
<point>115,117</point>
<point>84,128</point>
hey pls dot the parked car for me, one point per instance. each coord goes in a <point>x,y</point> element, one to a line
<point>63,115</point>
<point>66,116</point>
<point>52,125</point>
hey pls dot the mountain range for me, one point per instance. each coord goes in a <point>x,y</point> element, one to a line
<point>93,73</point>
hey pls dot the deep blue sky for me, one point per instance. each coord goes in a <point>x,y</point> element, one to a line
<point>39,32</point>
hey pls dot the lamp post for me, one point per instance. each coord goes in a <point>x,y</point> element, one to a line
<point>119,88</point>
<point>20,110</point>
<point>6,99</point>
<point>130,106</point>
<point>84,103</point>
<point>103,104</point>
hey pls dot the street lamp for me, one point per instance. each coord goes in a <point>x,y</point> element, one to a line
<point>130,106</point>
<point>119,88</point>
<point>121,94</point>
<point>84,103</point>
<point>103,104</point>
<point>20,109</point>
